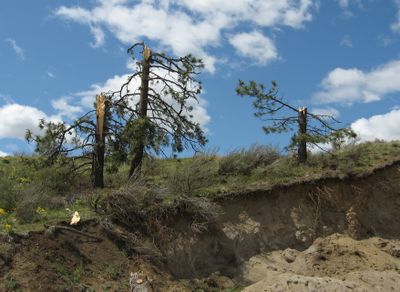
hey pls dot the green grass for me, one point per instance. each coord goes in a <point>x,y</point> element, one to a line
<point>11,284</point>
<point>70,278</point>
<point>114,270</point>
<point>53,216</point>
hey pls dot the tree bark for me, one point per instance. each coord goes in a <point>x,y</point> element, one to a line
<point>302,146</point>
<point>98,153</point>
<point>136,162</point>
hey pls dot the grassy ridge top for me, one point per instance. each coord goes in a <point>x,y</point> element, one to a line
<point>210,172</point>
<point>263,166</point>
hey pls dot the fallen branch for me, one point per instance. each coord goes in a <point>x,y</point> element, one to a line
<point>51,229</point>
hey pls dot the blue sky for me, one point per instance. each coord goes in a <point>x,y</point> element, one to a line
<point>333,56</point>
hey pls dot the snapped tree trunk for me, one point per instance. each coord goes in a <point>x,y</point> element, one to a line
<point>302,143</point>
<point>98,153</point>
<point>136,162</point>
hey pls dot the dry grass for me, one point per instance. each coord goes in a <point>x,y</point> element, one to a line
<point>212,175</point>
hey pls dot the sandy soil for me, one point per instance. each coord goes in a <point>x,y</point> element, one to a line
<point>333,263</point>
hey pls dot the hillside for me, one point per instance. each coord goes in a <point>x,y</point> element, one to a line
<point>210,223</point>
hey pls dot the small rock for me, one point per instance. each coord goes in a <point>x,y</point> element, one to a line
<point>289,255</point>
<point>219,281</point>
<point>304,236</point>
<point>381,243</point>
<point>24,234</point>
<point>395,251</point>
<point>139,282</point>
<point>50,232</point>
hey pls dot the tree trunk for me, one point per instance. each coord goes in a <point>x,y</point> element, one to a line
<point>302,147</point>
<point>136,162</point>
<point>98,153</point>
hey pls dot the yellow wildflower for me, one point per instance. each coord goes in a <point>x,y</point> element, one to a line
<point>2,212</point>
<point>7,227</point>
<point>40,211</point>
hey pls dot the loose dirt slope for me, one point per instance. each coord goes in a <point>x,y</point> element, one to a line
<point>67,261</point>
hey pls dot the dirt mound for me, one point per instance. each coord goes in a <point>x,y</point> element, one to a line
<point>363,281</point>
<point>334,263</point>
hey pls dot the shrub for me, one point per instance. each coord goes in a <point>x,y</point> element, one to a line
<point>114,271</point>
<point>11,284</point>
<point>242,162</point>
<point>29,201</point>
<point>26,211</point>
<point>193,174</point>
<point>117,176</point>
<point>54,179</point>
<point>8,198</point>
<point>56,202</point>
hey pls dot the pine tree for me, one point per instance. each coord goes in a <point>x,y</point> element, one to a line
<point>311,128</point>
<point>156,104</point>
<point>80,146</point>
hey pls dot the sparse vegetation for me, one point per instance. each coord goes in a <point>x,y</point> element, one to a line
<point>114,270</point>
<point>11,284</point>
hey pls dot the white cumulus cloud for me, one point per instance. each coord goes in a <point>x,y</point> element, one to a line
<point>65,109</point>
<point>184,26</point>
<point>87,97</point>
<point>255,46</point>
<point>383,127</point>
<point>15,119</point>
<point>354,85</point>
<point>3,154</point>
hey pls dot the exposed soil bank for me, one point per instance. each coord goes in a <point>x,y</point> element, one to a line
<point>290,216</point>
